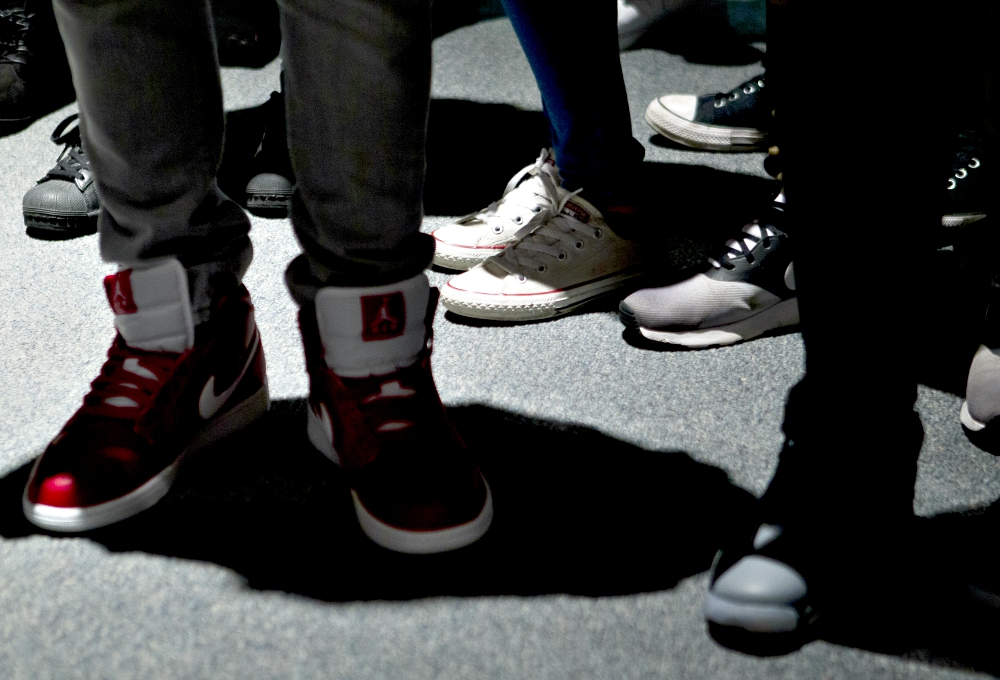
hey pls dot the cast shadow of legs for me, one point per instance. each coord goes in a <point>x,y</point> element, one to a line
<point>576,512</point>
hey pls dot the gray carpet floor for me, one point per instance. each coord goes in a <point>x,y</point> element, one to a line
<point>252,567</point>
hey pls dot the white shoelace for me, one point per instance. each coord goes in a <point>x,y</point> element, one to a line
<point>545,233</point>
<point>519,201</point>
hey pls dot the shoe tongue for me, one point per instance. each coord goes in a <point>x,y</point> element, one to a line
<point>374,330</point>
<point>152,306</point>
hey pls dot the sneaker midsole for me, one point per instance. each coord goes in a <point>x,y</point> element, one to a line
<point>782,314</point>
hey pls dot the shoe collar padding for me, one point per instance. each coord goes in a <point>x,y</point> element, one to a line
<point>152,306</point>
<point>373,330</point>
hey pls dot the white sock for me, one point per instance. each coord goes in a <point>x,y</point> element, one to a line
<point>152,306</point>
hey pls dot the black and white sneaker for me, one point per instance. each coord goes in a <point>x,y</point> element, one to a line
<point>738,120</point>
<point>968,188</point>
<point>980,413</point>
<point>64,203</point>
<point>269,192</point>
<point>749,290</point>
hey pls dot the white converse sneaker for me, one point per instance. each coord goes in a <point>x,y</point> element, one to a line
<point>564,257</point>
<point>473,238</point>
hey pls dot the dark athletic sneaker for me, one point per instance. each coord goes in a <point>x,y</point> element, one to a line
<point>64,203</point>
<point>374,410</point>
<point>269,192</point>
<point>738,120</point>
<point>34,73</point>
<point>749,290</point>
<point>968,188</point>
<point>167,389</point>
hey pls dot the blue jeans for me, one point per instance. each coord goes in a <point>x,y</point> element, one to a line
<point>573,51</point>
<point>357,86</point>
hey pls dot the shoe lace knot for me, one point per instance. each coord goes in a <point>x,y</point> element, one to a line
<point>551,233</point>
<point>753,234</point>
<point>72,163</point>
<point>129,382</point>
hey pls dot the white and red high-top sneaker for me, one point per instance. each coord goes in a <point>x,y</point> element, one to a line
<point>374,409</point>
<point>168,388</point>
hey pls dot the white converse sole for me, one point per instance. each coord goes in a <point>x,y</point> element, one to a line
<point>395,538</point>
<point>459,257</point>
<point>755,618</point>
<point>146,496</point>
<point>970,423</point>
<point>785,313</point>
<point>701,136</point>
<point>532,306</point>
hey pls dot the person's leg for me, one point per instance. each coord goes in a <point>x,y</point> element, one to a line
<point>844,485</point>
<point>187,367</point>
<point>573,52</point>
<point>357,87</point>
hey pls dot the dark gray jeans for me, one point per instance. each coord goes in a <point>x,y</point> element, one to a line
<point>357,84</point>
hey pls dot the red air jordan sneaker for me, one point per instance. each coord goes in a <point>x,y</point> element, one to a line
<point>375,411</point>
<point>168,388</point>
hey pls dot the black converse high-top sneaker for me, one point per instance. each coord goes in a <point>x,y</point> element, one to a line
<point>374,410</point>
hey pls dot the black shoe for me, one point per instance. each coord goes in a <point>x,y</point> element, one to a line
<point>64,203</point>
<point>738,120</point>
<point>247,33</point>
<point>269,192</point>
<point>968,188</point>
<point>34,73</point>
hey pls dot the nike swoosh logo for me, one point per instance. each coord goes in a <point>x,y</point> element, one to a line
<point>209,403</point>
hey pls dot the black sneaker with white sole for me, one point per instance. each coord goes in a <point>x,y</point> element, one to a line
<point>738,120</point>
<point>968,190</point>
<point>64,203</point>
<point>748,290</point>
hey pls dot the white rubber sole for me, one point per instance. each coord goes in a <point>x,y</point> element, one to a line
<point>459,258</point>
<point>970,423</point>
<point>960,220</point>
<point>531,306</point>
<point>394,538</point>
<point>785,313</point>
<point>146,496</point>
<point>755,618</point>
<point>701,136</point>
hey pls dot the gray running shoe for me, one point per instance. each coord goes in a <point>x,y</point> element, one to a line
<point>748,291</point>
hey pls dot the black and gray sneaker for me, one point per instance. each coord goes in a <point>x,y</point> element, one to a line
<point>968,188</point>
<point>980,414</point>
<point>34,73</point>
<point>269,192</point>
<point>64,203</point>
<point>738,120</point>
<point>749,290</point>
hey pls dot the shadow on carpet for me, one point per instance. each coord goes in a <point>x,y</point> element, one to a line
<point>576,512</point>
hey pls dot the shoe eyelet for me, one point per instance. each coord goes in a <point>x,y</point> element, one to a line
<point>578,245</point>
<point>748,89</point>
<point>537,209</point>
<point>962,173</point>
<point>719,103</point>
<point>517,219</point>
<point>497,229</point>
<point>952,183</point>
<point>976,161</point>
<point>598,233</point>
<point>733,96</point>
<point>562,256</point>
<point>520,278</point>
<point>542,268</point>
<point>760,83</point>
